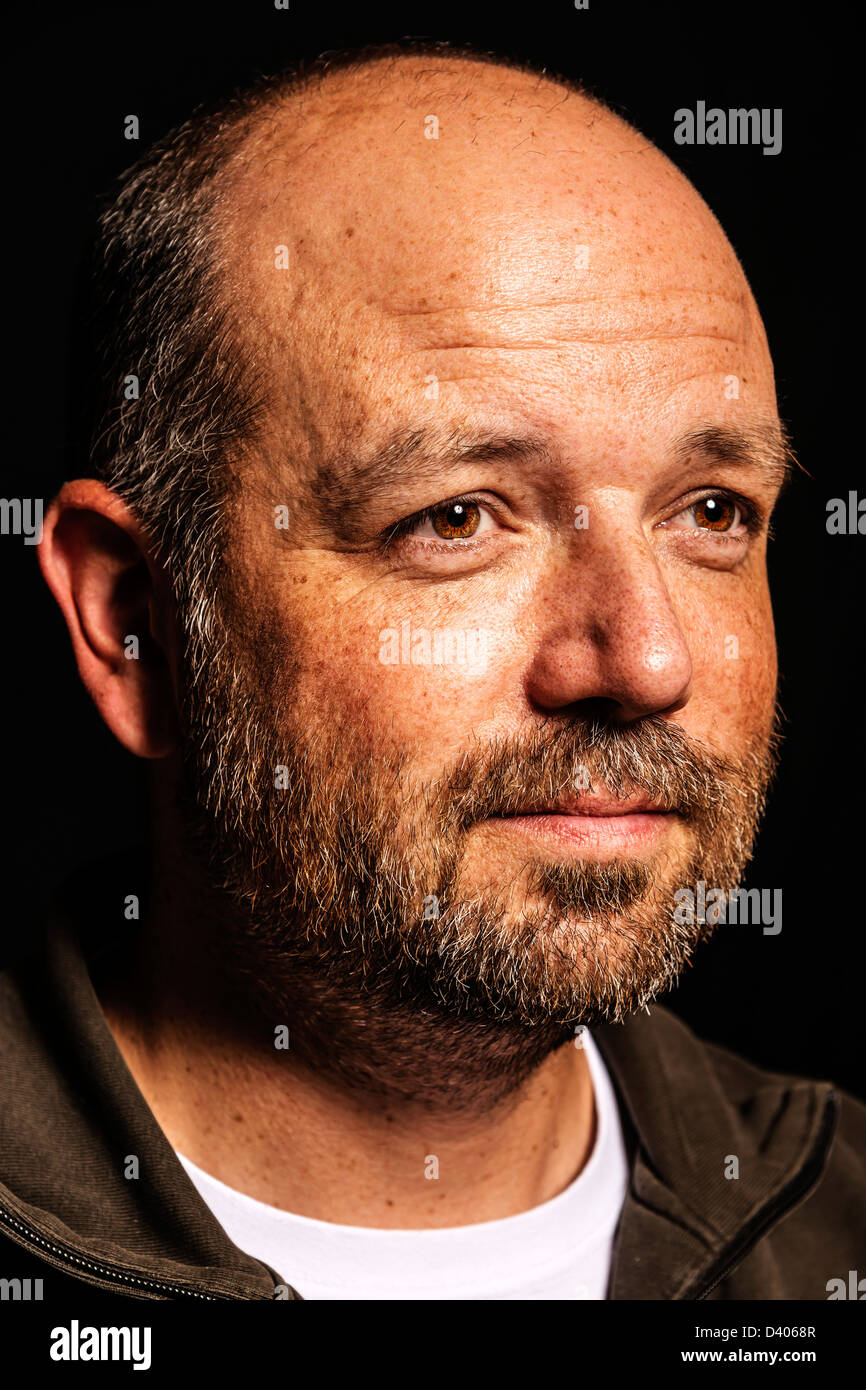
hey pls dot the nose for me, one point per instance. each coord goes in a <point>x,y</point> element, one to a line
<point>609,638</point>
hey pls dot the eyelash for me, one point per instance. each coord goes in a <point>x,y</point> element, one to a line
<point>404,528</point>
<point>752,519</point>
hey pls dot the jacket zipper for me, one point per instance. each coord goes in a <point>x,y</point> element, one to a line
<point>797,1188</point>
<point>109,1272</point>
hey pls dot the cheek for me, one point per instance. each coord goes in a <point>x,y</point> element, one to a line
<point>389,671</point>
<point>733,647</point>
<point>407,674</point>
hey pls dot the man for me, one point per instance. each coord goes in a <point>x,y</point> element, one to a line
<point>432,485</point>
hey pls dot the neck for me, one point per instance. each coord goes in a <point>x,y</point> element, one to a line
<point>336,1107</point>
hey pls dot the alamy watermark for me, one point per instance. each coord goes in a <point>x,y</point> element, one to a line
<point>77,1343</point>
<point>22,516</point>
<point>444,646</point>
<point>846,517</point>
<point>855,1288</point>
<point>20,1290</point>
<point>736,126</point>
<point>739,906</point>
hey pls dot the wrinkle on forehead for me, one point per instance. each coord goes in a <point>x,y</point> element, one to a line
<point>610,318</point>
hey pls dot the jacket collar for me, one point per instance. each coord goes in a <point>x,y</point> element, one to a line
<point>695,1115</point>
<point>87,1176</point>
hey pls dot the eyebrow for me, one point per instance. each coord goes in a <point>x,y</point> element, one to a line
<point>765,446</point>
<point>343,486</point>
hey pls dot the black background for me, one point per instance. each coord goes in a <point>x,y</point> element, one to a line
<point>792,1002</point>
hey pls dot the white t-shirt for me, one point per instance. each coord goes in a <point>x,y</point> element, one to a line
<point>558,1250</point>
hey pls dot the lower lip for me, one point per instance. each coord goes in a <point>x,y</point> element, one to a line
<point>637,830</point>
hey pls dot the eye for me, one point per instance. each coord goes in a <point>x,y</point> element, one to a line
<point>719,513</point>
<point>457,520</point>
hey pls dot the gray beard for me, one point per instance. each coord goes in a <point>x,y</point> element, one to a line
<point>346,917</point>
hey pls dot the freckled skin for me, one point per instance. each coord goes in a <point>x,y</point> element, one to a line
<point>464,268</point>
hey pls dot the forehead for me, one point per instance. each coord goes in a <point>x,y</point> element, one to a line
<point>471,227</point>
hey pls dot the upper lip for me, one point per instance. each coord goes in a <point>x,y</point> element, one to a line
<point>593,806</point>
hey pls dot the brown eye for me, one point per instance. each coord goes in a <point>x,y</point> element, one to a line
<point>716,513</point>
<point>456,520</point>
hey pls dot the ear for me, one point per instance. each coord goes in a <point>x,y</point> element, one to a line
<point>117,604</point>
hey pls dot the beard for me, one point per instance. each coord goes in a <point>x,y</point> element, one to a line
<point>352,908</point>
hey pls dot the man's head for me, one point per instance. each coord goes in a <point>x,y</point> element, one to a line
<point>454,501</point>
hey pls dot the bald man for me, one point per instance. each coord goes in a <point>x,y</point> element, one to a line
<point>424,559</point>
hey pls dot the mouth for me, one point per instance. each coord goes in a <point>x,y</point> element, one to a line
<point>592,823</point>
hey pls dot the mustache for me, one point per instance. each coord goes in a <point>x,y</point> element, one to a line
<point>652,755</point>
